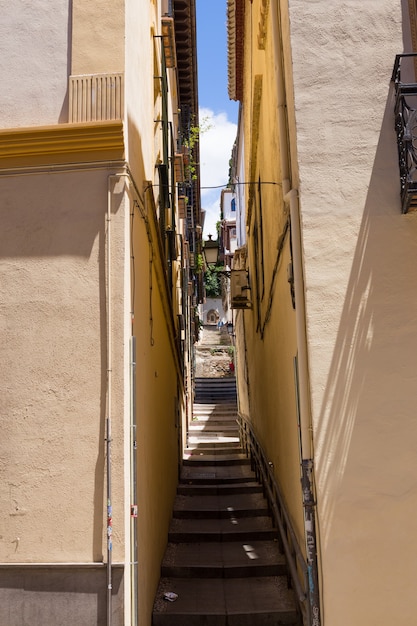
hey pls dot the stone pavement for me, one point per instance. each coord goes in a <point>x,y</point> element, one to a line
<point>214,353</point>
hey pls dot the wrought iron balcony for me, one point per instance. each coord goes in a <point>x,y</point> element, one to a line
<point>404,77</point>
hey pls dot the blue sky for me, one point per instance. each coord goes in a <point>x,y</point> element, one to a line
<point>216,110</point>
<point>212,57</point>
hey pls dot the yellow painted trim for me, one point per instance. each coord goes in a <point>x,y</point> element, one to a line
<point>63,143</point>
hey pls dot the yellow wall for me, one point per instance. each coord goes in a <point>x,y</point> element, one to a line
<point>157,417</point>
<point>270,337</point>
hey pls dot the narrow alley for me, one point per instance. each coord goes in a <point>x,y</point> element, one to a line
<point>223,564</point>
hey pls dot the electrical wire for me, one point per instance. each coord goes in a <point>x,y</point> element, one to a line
<point>231,185</point>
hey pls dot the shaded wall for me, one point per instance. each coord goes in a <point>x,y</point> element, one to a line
<point>65,596</point>
<point>361,293</point>
<point>54,317</point>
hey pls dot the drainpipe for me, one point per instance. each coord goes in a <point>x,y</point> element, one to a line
<point>306,444</point>
<point>133,556</point>
<point>109,409</point>
<point>133,488</point>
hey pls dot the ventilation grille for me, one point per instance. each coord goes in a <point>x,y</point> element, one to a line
<point>96,97</point>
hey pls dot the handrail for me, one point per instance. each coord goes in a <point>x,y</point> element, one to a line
<point>288,541</point>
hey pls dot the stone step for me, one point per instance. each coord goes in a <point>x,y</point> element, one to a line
<point>218,381</point>
<point>205,392</point>
<point>221,506</point>
<point>219,559</point>
<point>210,459</point>
<point>213,422</point>
<point>214,409</point>
<point>243,529</point>
<point>202,437</point>
<point>220,445</point>
<point>213,474</point>
<point>264,601</point>
<point>218,399</point>
<point>208,429</point>
<point>211,450</point>
<point>213,490</point>
<point>215,418</point>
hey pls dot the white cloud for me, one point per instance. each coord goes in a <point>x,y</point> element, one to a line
<point>212,209</point>
<point>216,145</point>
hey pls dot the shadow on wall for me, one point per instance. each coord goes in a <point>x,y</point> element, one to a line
<point>369,400</point>
<point>52,214</point>
<point>64,114</point>
<point>135,152</point>
<point>69,595</point>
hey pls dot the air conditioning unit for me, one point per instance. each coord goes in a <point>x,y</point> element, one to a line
<point>240,290</point>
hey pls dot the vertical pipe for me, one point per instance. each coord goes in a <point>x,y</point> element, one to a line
<point>311,543</point>
<point>108,418</point>
<point>291,199</point>
<point>306,443</point>
<point>133,487</point>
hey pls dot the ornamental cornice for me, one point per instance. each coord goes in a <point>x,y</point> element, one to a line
<point>61,143</point>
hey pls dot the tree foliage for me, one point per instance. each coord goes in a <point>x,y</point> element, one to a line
<point>212,281</point>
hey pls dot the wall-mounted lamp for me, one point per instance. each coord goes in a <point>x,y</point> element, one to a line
<point>211,251</point>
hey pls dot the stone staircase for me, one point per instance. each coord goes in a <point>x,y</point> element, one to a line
<point>222,566</point>
<point>215,391</point>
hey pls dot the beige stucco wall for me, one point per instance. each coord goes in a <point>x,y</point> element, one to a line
<point>53,316</point>
<point>54,355</point>
<point>361,295</point>
<point>143,96</point>
<point>98,35</point>
<point>35,57</point>
<point>141,23</point>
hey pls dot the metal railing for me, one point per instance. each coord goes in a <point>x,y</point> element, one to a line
<point>405,84</point>
<point>297,566</point>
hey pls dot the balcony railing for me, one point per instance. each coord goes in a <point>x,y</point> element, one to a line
<point>404,77</point>
<point>95,97</point>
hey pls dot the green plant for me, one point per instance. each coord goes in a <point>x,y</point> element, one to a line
<point>199,262</point>
<point>190,142</point>
<point>212,281</point>
<point>214,351</point>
